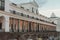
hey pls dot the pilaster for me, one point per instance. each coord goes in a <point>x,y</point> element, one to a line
<point>6,23</point>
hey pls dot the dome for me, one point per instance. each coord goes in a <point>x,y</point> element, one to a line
<point>53,15</point>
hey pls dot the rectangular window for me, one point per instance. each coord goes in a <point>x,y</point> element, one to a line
<point>2,4</point>
<point>14,4</point>
<point>14,12</point>
<point>32,10</point>
<point>11,11</point>
<point>22,7</point>
<point>21,14</point>
<point>27,9</point>
<point>28,16</point>
<point>36,11</point>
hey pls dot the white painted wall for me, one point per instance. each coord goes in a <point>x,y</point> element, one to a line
<point>54,20</point>
<point>57,22</point>
<point>26,6</point>
<point>29,13</point>
<point>7,5</point>
<point>58,25</point>
<point>29,6</point>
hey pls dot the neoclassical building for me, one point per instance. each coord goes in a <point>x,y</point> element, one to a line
<point>24,18</point>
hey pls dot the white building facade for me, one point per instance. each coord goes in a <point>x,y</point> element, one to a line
<point>23,17</point>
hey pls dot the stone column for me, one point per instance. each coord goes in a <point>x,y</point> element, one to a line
<point>6,23</point>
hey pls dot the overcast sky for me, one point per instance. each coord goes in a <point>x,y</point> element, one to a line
<point>46,6</point>
<point>49,7</point>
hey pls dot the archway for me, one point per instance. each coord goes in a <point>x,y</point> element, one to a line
<point>1,23</point>
<point>4,23</point>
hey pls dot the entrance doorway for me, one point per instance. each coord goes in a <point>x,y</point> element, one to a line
<point>29,26</point>
<point>0,27</point>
